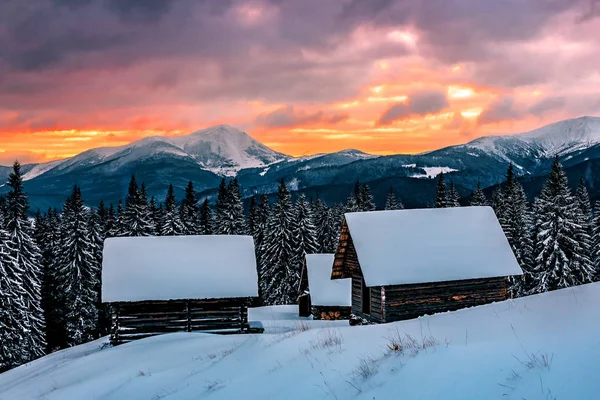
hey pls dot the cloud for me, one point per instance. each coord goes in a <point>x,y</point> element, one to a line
<point>287,116</point>
<point>418,103</point>
<point>547,104</point>
<point>501,110</point>
<point>24,157</point>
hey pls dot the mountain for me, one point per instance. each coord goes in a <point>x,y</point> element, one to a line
<point>209,154</point>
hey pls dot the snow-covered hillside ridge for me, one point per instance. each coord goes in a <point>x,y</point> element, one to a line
<point>539,347</point>
<point>221,149</point>
<point>555,139</point>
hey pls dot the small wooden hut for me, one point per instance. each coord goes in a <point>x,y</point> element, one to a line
<point>165,284</point>
<point>319,295</point>
<point>409,263</point>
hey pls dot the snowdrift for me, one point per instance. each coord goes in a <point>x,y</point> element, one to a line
<point>539,347</point>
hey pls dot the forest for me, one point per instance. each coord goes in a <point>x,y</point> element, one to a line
<point>50,266</point>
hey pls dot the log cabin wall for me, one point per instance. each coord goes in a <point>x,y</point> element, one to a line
<point>137,320</point>
<point>411,301</point>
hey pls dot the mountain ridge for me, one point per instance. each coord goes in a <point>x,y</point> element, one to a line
<point>206,155</point>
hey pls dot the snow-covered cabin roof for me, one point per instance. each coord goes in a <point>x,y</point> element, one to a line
<point>178,267</point>
<point>323,290</point>
<point>430,245</point>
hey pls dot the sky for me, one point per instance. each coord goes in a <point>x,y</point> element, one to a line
<point>303,77</point>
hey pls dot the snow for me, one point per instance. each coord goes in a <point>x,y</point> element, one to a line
<point>264,171</point>
<point>178,267</point>
<point>432,172</point>
<point>323,290</point>
<point>40,169</point>
<point>409,165</point>
<point>430,245</point>
<point>494,351</point>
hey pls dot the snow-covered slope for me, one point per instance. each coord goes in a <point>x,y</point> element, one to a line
<point>558,138</point>
<point>539,347</point>
<point>221,149</point>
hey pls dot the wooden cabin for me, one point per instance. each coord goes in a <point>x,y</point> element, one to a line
<point>408,263</point>
<point>165,284</point>
<point>319,295</point>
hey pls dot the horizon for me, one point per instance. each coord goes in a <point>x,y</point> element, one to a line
<point>384,78</point>
<point>6,163</point>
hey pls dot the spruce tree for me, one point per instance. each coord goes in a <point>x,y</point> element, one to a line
<point>441,197</point>
<point>97,240</point>
<point>304,236</point>
<point>510,206</point>
<point>206,219</point>
<point>120,229</point>
<point>278,274</point>
<point>391,203</point>
<point>231,220</point>
<point>221,206</point>
<point>252,216</point>
<point>453,197</point>
<point>78,272</point>
<point>13,312</point>
<point>136,218</point>
<point>50,241</point>
<point>146,222</point>
<point>366,199</point>
<point>560,259</point>
<point>154,214</point>
<point>586,222</point>
<point>478,197</point>
<point>189,211</point>
<point>110,223</point>
<point>27,254</point>
<point>171,223</point>
<point>257,225</point>
<point>596,242</point>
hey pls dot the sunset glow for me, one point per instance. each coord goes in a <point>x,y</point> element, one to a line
<point>389,79</point>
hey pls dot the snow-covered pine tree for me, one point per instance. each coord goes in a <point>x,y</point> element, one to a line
<point>391,203</point>
<point>478,198</point>
<point>97,239</point>
<point>510,206</point>
<point>304,236</point>
<point>258,216</point>
<point>585,210</point>
<point>28,258</point>
<point>441,196</point>
<point>136,219</point>
<point>171,223</point>
<point>119,229</point>
<point>354,201</point>
<point>51,300</point>
<point>278,274</point>
<point>102,217</point>
<point>596,241</point>
<point>367,202</point>
<point>154,215</point>
<point>233,221</point>
<point>110,222</point>
<point>12,309</point>
<point>189,211</point>
<point>453,197</point>
<point>560,260</point>
<point>206,219</point>
<point>221,206</point>
<point>252,221</point>
<point>78,272</point>
<point>146,221</point>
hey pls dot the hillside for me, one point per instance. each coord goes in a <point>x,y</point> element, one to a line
<point>539,347</point>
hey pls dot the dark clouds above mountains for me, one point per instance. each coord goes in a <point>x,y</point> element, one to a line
<point>91,60</point>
